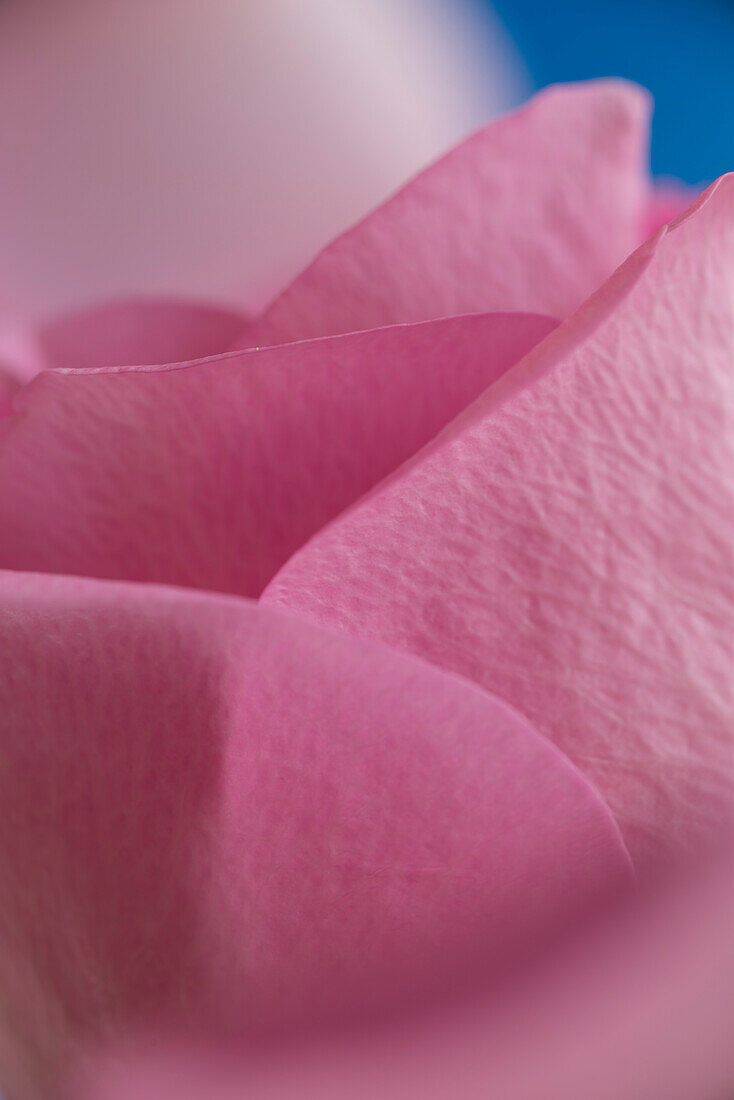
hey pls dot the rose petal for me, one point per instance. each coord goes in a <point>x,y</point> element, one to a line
<point>127,333</point>
<point>9,385</point>
<point>569,541</point>
<point>217,812</point>
<point>667,201</point>
<point>531,213</point>
<point>211,146</point>
<point>641,1010</point>
<point>212,475</point>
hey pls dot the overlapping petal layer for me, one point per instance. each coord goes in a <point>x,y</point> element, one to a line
<point>531,213</point>
<point>218,812</point>
<point>667,201</point>
<point>222,812</point>
<point>211,475</point>
<point>641,1011</point>
<point>569,541</point>
<point>127,333</point>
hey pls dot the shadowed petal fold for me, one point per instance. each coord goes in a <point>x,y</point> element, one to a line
<point>217,812</point>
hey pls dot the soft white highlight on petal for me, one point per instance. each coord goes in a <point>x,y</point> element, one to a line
<point>212,146</point>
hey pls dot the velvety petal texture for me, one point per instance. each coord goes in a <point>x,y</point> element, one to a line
<point>531,213</point>
<point>212,474</point>
<point>568,542</point>
<point>219,812</point>
<point>493,648</point>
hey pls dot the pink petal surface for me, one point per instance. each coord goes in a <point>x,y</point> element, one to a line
<point>211,475</point>
<point>218,812</point>
<point>9,385</point>
<point>641,1010</point>
<point>568,542</point>
<point>125,333</point>
<point>668,200</point>
<point>531,213</point>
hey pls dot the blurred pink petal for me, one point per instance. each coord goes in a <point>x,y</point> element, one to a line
<point>210,147</point>
<point>221,814</point>
<point>567,542</point>
<point>642,1010</point>
<point>9,385</point>
<point>130,333</point>
<point>116,334</point>
<point>531,213</point>
<point>668,200</point>
<point>213,474</point>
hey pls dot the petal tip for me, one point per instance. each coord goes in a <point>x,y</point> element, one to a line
<point>722,189</point>
<point>626,98</point>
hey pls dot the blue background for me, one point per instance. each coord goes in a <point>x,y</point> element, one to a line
<point>682,50</point>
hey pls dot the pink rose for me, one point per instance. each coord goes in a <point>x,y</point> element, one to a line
<point>349,670</point>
